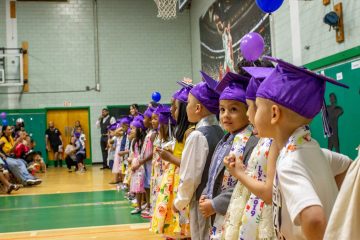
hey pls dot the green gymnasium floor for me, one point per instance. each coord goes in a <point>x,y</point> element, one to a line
<point>67,210</point>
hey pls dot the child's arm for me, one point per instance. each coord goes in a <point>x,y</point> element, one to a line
<point>313,222</point>
<point>192,166</point>
<point>262,190</point>
<point>122,153</point>
<point>339,164</point>
<point>168,156</point>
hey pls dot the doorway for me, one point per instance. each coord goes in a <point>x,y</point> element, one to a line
<point>64,120</point>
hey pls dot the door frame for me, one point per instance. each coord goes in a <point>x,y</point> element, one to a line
<point>87,161</point>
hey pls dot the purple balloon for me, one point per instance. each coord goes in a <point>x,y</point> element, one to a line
<point>3,115</point>
<point>252,46</point>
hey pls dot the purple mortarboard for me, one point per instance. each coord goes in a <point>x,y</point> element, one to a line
<point>295,88</point>
<point>176,93</point>
<point>183,93</point>
<point>126,120</point>
<point>77,134</point>
<point>232,87</point>
<point>112,127</point>
<point>139,118</point>
<point>164,114</point>
<point>258,74</point>
<point>206,94</point>
<point>149,111</point>
<point>138,124</point>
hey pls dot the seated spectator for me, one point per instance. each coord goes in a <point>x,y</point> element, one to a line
<point>35,161</point>
<point>4,179</point>
<point>70,152</point>
<point>23,147</point>
<point>16,166</point>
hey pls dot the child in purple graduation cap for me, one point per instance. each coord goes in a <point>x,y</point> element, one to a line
<point>173,225</point>
<point>125,144</point>
<point>248,216</point>
<point>146,155</point>
<point>239,141</point>
<point>203,105</point>
<point>163,141</point>
<point>138,133</point>
<point>304,187</point>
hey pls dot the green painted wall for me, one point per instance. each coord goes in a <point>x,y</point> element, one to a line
<point>349,100</point>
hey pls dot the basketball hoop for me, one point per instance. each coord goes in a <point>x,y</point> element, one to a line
<point>166,9</point>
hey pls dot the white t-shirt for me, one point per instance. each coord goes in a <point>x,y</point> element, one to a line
<point>339,163</point>
<point>303,178</point>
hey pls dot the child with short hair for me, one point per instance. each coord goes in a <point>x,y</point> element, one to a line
<point>239,140</point>
<point>249,213</point>
<point>304,188</point>
<point>203,105</point>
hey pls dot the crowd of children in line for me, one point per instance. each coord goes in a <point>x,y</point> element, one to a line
<point>264,178</point>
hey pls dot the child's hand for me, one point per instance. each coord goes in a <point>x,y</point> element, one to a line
<point>135,167</point>
<point>175,210</point>
<point>206,208</point>
<point>235,166</point>
<point>202,198</point>
<point>164,154</point>
<point>229,161</point>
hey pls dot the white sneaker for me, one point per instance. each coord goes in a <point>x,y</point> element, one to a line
<point>143,206</point>
<point>30,182</point>
<point>37,181</point>
<point>136,211</point>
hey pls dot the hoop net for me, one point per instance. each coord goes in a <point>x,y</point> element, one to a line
<point>166,9</point>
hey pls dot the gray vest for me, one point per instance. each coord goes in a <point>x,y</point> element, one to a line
<point>213,135</point>
<point>103,126</point>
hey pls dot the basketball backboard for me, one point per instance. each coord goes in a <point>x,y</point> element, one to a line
<point>11,69</point>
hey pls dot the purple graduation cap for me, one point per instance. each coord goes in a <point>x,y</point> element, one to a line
<point>126,120</point>
<point>77,134</point>
<point>206,94</point>
<point>295,88</point>
<point>232,87</point>
<point>112,127</point>
<point>258,74</point>
<point>149,111</point>
<point>164,115</point>
<point>138,123</point>
<point>175,94</point>
<point>183,93</point>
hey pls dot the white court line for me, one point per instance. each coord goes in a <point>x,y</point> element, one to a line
<point>131,226</point>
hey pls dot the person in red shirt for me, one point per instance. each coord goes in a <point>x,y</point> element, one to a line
<point>23,147</point>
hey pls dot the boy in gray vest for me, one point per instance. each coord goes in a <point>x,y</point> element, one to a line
<point>203,105</point>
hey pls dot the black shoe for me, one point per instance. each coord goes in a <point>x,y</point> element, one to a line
<point>102,168</point>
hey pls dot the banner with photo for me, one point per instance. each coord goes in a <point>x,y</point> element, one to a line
<point>221,29</point>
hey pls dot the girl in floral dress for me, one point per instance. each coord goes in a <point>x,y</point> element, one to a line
<point>138,173</point>
<point>160,118</point>
<point>165,221</point>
